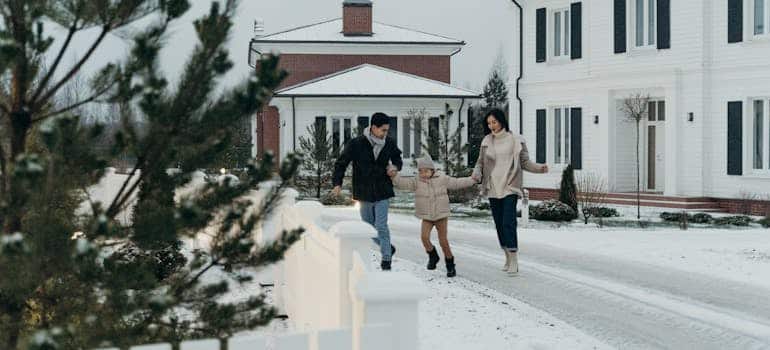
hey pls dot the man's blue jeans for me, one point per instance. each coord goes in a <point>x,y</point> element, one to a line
<point>376,214</point>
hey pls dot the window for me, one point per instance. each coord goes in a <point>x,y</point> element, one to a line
<point>433,137</point>
<point>320,123</point>
<point>561,33</point>
<point>363,123</point>
<point>340,133</point>
<point>656,111</point>
<point>393,131</point>
<point>348,130</point>
<point>335,136</point>
<point>417,139</point>
<point>644,17</point>
<point>407,138</point>
<point>760,135</point>
<point>761,17</point>
<point>561,135</point>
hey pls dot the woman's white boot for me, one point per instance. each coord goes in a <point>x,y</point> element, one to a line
<point>507,260</point>
<point>513,267</point>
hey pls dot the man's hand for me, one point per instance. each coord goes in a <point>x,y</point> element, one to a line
<point>475,177</point>
<point>336,190</point>
<point>392,171</point>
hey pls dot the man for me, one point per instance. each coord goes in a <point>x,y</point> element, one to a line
<point>372,154</point>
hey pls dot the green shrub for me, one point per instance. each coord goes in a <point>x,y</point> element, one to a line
<point>737,220</point>
<point>341,199</point>
<point>568,189</point>
<point>552,210</point>
<point>603,212</point>
<point>701,218</point>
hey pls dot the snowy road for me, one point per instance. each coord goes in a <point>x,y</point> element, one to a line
<point>623,303</point>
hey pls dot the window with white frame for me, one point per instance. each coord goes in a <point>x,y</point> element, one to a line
<point>761,18</point>
<point>760,135</point>
<point>561,33</point>
<point>644,17</point>
<point>341,134</point>
<point>561,135</point>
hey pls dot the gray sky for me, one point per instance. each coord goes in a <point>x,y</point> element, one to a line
<point>487,26</point>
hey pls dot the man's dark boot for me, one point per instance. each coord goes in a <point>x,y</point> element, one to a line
<point>385,265</point>
<point>433,259</point>
<point>392,250</point>
<point>450,267</point>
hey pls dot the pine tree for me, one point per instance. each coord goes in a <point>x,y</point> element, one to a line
<point>70,279</point>
<point>318,160</point>
<point>495,91</point>
<point>568,189</point>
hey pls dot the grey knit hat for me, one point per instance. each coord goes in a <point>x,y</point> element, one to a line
<point>425,163</point>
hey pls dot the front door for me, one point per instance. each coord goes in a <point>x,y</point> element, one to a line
<point>655,146</point>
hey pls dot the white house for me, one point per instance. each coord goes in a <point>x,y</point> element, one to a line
<point>343,102</point>
<point>343,70</point>
<point>705,65</point>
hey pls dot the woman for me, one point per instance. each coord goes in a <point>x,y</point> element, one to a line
<point>502,157</point>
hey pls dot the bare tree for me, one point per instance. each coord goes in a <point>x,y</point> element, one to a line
<point>635,108</point>
<point>592,194</point>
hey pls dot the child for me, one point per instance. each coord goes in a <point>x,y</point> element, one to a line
<point>432,206</point>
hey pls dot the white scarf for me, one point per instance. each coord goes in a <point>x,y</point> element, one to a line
<point>377,143</point>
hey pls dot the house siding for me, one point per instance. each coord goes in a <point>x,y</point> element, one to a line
<point>699,74</point>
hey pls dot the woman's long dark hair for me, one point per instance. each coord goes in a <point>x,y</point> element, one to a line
<point>499,116</point>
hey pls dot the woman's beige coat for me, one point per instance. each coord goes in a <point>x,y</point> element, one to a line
<point>484,165</point>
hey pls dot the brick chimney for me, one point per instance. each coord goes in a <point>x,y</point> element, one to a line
<point>357,17</point>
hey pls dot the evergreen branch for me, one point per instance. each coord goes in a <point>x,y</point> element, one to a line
<point>70,33</point>
<point>90,99</point>
<point>37,103</point>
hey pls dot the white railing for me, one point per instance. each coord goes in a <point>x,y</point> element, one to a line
<point>326,285</point>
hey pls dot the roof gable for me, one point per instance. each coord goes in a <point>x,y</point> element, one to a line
<point>368,80</point>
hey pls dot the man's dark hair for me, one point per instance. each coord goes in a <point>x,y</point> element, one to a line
<point>379,119</point>
<point>499,115</point>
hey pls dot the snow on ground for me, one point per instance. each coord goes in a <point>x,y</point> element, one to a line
<point>460,314</point>
<point>734,254</point>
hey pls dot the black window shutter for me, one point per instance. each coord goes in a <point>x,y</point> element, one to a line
<point>576,30</point>
<point>540,36</point>
<point>735,138</point>
<point>664,24</point>
<point>540,153</point>
<point>620,26</point>
<point>576,137</point>
<point>734,21</point>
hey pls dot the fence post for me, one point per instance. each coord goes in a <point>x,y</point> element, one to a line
<point>525,208</point>
<point>391,298</point>
<point>282,221</point>
<point>352,236</point>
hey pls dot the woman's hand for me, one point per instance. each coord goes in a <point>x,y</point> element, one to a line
<point>544,168</point>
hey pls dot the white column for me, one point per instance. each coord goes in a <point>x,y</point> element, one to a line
<point>392,299</point>
<point>352,236</point>
<point>674,114</point>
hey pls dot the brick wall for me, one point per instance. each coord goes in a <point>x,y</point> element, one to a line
<point>357,20</point>
<point>304,67</point>
<point>268,130</point>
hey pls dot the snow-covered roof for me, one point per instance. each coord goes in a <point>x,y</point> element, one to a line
<point>331,32</point>
<point>368,80</point>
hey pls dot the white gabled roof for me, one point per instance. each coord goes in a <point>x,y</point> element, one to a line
<point>331,32</point>
<point>368,80</point>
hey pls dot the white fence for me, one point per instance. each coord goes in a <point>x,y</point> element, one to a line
<point>327,287</point>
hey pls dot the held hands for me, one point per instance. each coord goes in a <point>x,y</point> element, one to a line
<point>544,168</point>
<point>476,177</point>
<point>336,190</point>
<point>392,171</point>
